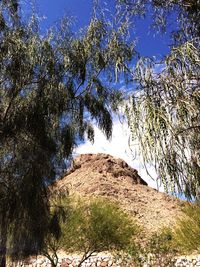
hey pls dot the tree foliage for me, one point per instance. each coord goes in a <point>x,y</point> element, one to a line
<point>164,114</point>
<point>165,118</point>
<point>185,13</point>
<point>91,227</point>
<point>52,87</point>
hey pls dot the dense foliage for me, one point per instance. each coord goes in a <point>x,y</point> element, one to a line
<point>89,228</point>
<point>182,16</point>
<point>52,87</point>
<point>165,117</point>
<point>164,114</point>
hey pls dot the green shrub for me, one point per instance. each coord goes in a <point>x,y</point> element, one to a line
<point>159,250</point>
<point>187,232</point>
<point>91,227</point>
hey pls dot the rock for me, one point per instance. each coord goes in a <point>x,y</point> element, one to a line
<point>104,264</point>
<point>64,264</point>
<point>106,176</point>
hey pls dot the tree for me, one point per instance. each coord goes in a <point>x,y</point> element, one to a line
<point>60,213</point>
<point>186,14</point>
<point>187,231</point>
<point>90,228</point>
<point>165,119</point>
<point>52,88</point>
<point>164,115</point>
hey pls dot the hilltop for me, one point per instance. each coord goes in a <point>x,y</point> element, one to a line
<point>94,175</point>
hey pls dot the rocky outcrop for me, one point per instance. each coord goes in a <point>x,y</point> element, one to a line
<point>106,164</point>
<point>103,175</point>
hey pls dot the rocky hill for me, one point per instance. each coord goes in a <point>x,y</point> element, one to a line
<point>104,175</point>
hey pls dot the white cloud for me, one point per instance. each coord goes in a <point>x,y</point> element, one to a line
<point>118,147</point>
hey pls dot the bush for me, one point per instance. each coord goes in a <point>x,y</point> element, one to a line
<point>159,250</point>
<point>187,232</point>
<point>92,227</point>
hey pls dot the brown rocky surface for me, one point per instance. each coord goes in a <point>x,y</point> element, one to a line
<point>104,175</point>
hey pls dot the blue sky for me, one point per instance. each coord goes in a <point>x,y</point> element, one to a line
<point>56,9</point>
<point>148,43</point>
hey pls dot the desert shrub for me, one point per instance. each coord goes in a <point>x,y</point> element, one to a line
<point>187,232</point>
<point>110,225</point>
<point>159,250</point>
<point>91,227</point>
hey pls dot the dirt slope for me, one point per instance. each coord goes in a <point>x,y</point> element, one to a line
<point>104,175</point>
